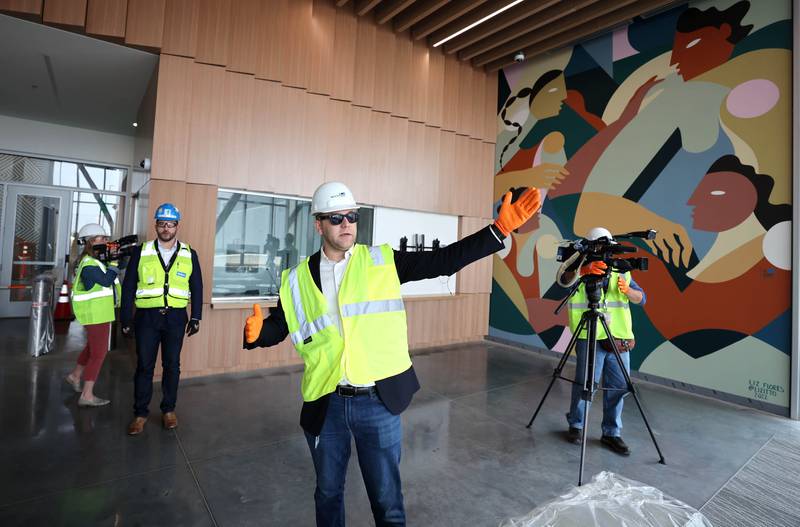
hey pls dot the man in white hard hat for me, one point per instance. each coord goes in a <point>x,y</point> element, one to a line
<point>343,310</point>
<point>618,291</point>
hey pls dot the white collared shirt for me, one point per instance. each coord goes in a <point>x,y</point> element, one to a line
<point>331,275</point>
<point>166,254</point>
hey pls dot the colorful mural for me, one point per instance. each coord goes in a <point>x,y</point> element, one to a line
<point>679,122</point>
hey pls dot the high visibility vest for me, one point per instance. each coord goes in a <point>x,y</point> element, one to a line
<point>158,288</point>
<point>95,305</point>
<point>374,343</point>
<point>614,306</point>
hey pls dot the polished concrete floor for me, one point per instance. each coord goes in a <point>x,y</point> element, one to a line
<point>239,456</point>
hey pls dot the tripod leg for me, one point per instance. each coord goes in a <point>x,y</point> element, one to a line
<point>588,382</point>
<point>632,390</point>
<point>559,368</point>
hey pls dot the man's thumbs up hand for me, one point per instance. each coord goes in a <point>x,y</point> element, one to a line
<point>252,327</point>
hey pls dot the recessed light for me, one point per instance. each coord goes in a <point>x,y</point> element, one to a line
<point>135,125</point>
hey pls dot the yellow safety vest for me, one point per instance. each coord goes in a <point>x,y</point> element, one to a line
<point>614,305</point>
<point>95,305</point>
<point>157,288</point>
<point>374,345</point>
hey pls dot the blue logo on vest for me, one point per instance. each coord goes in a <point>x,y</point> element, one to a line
<point>181,274</point>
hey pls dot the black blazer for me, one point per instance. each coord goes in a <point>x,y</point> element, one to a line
<point>395,392</point>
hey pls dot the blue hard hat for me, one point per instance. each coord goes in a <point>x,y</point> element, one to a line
<point>168,212</point>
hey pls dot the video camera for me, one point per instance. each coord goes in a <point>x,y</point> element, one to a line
<point>605,250</point>
<point>116,250</point>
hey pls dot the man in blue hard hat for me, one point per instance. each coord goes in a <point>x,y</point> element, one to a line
<point>163,278</point>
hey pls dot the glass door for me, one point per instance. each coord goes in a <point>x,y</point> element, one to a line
<point>35,239</point>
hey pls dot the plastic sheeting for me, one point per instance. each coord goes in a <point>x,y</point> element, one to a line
<point>612,501</point>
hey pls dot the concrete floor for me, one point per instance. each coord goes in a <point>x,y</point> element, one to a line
<point>239,457</point>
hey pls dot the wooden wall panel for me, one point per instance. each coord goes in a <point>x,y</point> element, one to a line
<point>449,189</point>
<point>322,38</point>
<point>379,156</point>
<point>145,23</point>
<point>198,231</point>
<point>243,36</point>
<point>401,97</point>
<point>430,179</point>
<point>272,29</point>
<point>23,7</point>
<point>208,88</point>
<point>213,22</point>
<point>162,190</point>
<point>106,18</point>
<point>486,179</point>
<point>359,143</point>
<point>464,121</point>
<point>490,108</point>
<point>477,105</point>
<point>311,170</point>
<point>173,117</point>
<point>364,86</point>
<point>384,68</point>
<point>266,137</point>
<point>180,27</point>
<point>65,12</point>
<point>298,45</point>
<point>294,119</point>
<point>434,114</point>
<point>414,181</point>
<point>476,277</point>
<point>395,193</point>
<point>238,102</point>
<point>419,81</point>
<point>342,155</point>
<point>452,78</point>
<point>344,54</point>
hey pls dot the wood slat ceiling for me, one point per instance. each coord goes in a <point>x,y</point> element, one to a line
<point>531,26</point>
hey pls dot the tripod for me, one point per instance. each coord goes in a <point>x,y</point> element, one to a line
<point>588,322</point>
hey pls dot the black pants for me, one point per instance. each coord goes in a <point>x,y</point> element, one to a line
<point>154,327</point>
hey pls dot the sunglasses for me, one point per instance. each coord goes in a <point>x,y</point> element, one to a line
<point>166,224</point>
<point>337,219</point>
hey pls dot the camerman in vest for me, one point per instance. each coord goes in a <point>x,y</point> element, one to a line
<point>618,291</point>
<point>343,310</point>
<point>163,277</point>
<point>95,294</point>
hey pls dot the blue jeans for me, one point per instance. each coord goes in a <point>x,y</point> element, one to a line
<point>606,365</point>
<point>378,436</point>
<point>153,330</point>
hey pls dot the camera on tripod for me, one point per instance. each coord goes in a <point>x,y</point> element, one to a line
<point>604,249</point>
<point>116,250</point>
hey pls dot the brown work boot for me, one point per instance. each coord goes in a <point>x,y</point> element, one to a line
<point>137,426</point>
<point>170,420</point>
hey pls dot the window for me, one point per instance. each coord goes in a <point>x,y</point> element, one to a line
<point>258,236</point>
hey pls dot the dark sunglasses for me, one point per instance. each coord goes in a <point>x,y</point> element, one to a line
<point>337,219</point>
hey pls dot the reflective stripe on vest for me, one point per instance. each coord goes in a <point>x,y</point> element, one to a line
<point>306,330</point>
<point>375,343</point>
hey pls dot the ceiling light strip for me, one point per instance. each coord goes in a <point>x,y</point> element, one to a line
<point>481,21</point>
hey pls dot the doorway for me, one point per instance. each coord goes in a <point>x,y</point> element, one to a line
<point>35,232</point>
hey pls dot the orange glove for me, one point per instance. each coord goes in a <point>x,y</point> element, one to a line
<point>594,268</point>
<point>623,286</point>
<point>252,327</point>
<point>514,215</point>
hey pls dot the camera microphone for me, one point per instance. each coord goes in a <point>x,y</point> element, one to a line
<point>649,234</point>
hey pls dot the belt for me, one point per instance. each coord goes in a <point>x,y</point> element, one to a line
<point>345,390</point>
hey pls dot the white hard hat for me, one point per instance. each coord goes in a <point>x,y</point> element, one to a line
<point>332,196</point>
<point>599,232</point>
<point>90,230</point>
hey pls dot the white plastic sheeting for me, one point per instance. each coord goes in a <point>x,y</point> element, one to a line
<point>612,501</point>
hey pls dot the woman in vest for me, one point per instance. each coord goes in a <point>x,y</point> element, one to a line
<point>95,294</point>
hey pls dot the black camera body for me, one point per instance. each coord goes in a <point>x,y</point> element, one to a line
<point>607,251</point>
<point>116,250</point>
